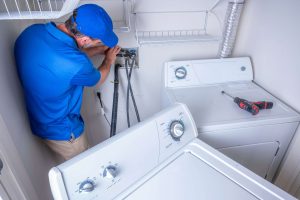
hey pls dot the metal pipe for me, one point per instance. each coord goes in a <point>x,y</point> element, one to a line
<point>231,23</point>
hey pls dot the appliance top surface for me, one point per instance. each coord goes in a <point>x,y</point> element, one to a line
<point>199,83</point>
<point>200,172</point>
<point>210,107</point>
<point>190,178</point>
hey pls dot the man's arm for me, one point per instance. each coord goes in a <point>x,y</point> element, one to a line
<point>92,51</point>
<point>110,59</point>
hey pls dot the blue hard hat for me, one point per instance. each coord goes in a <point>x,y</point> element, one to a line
<point>93,21</point>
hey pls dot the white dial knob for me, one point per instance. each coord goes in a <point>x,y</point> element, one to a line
<point>180,72</point>
<point>87,186</point>
<point>110,172</point>
<point>176,129</point>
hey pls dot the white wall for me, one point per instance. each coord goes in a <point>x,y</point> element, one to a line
<point>269,33</point>
<point>35,156</point>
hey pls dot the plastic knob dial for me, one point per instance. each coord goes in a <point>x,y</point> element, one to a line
<point>87,186</point>
<point>176,129</point>
<point>110,172</point>
<point>180,73</point>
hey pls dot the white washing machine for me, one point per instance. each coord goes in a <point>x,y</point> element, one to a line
<point>158,159</point>
<point>258,142</point>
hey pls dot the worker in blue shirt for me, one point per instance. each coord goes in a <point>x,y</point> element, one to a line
<point>53,66</point>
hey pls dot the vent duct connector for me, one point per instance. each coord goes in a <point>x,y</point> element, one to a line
<point>234,11</point>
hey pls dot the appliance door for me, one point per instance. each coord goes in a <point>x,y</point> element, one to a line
<point>258,148</point>
<point>256,157</point>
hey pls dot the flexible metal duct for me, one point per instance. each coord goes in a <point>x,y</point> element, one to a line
<point>231,23</point>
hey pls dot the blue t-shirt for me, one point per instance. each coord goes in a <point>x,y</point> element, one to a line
<point>53,71</point>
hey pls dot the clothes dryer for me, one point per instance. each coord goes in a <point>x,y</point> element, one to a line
<point>258,142</point>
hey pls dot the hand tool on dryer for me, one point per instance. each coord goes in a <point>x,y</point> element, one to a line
<point>244,104</point>
<point>263,104</point>
<point>260,104</point>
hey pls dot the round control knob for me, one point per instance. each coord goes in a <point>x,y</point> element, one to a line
<point>110,172</point>
<point>87,186</point>
<point>176,129</point>
<point>180,72</point>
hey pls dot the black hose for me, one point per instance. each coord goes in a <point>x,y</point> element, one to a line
<point>129,89</point>
<point>127,94</point>
<point>114,114</point>
<point>132,96</point>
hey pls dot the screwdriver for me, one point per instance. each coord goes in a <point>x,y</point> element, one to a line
<point>244,104</point>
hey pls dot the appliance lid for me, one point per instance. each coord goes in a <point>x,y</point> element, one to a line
<point>199,172</point>
<point>211,108</point>
<point>188,177</point>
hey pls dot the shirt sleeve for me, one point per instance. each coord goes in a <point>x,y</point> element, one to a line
<point>86,76</point>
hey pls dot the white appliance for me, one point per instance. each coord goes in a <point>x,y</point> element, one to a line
<point>258,142</point>
<point>160,159</point>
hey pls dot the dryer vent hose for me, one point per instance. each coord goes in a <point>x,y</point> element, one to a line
<point>234,11</point>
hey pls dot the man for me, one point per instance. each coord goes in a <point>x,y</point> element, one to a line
<point>53,67</point>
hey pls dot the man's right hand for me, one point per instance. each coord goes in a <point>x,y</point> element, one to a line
<point>111,54</point>
<point>110,58</point>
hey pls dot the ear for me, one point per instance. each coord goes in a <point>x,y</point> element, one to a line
<point>83,40</point>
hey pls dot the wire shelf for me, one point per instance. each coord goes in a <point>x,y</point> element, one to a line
<point>36,9</point>
<point>174,36</point>
<point>170,24</point>
<point>162,27</point>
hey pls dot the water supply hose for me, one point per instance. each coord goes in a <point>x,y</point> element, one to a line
<point>114,114</point>
<point>129,90</point>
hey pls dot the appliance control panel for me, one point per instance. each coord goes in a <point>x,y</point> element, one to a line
<point>105,170</point>
<point>207,72</point>
<point>180,73</point>
<point>175,131</point>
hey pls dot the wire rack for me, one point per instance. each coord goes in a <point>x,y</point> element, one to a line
<point>177,21</point>
<point>36,9</point>
<point>164,27</point>
<point>58,10</point>
<point>152,37</point>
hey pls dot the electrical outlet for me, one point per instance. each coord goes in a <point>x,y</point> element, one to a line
<point>125,52</point>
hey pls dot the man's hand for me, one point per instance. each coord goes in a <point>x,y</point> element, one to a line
<point>110,58</point>
<point>111,54</point>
